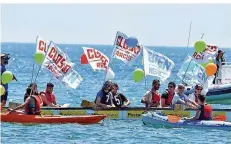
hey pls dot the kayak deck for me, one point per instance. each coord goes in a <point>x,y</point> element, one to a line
<point>21,118</point>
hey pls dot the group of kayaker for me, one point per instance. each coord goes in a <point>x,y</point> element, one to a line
<point>173,96</point>
<point>109,96</point>
<point>33,100</point>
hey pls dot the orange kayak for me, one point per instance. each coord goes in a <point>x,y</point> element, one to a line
<point>21,118</point>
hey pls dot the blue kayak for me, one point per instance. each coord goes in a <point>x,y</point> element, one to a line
<point>159,119</point>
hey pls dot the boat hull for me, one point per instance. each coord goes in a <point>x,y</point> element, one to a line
<point>158,119</point>
<point>49,119</point>
<point>127,113</point>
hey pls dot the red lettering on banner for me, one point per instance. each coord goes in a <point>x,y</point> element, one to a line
<point>211,48</point>
<point>42,46</point>
<point>51,69</point>
<point>66,68</point>
<point>123,55</point>
<point>52,53</point>
<point>121,42</point>
<point>95,54</point>
<point>58,59</point>
<point>198,56</point>
<point>90,53</point>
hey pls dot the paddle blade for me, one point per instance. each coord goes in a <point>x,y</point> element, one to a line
<point>173,119</point>
<point>220,118</point>
<point>83,59</point>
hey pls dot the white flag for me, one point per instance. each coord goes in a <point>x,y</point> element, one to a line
<point>156,64</point>
<point>203,57</point>
<point>41,45</point>
<point>122,52</point>
<point>96,59</point>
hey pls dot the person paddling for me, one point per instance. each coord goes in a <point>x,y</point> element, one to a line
<point>204,111</point>
<point>32,104</point>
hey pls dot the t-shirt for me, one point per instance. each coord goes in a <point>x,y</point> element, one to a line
<point>178,97</point>
<point>118,99</point>
<point>3,69</point>
<point>105,97</point>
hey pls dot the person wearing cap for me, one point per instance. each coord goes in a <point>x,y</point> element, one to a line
<point>49,97</point>
<point>220,60</point>
<point>204,111</point>
<point>194,96</point>
<point>181,98</point>
<point>152,97</point>
<point>103,98</point>
<point>119,100</point>
<point>4,61</point>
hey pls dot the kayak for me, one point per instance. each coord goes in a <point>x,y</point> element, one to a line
<point>159,119</point>
<point>49,119</point>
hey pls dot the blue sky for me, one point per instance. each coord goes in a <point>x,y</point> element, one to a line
<point>153,24</point>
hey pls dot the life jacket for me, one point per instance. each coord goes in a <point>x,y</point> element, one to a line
<point>206,112</point>
<point>50,97</point>
<point>155,98</point>
<point>169,99</point>
<point>34,109</point>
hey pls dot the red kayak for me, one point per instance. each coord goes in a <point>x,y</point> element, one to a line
<point>21,118</point>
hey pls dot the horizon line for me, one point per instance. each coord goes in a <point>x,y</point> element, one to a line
<point>107,44</point>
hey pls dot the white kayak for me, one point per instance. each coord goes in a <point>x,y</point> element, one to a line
<point>159,119</point>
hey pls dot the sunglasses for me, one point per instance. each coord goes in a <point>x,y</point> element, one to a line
<point>181,87</point>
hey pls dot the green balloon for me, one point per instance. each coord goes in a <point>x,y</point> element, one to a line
<point>2,89</point>
<point>7,76</point>
<point>138,75</point>
<point>199,46</point>
<point>39,57</point>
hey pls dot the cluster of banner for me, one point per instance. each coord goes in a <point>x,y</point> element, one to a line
<point>58,63</point>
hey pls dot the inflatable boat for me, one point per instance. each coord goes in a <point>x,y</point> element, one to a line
<point>49,119</point>
<point>159,119</point>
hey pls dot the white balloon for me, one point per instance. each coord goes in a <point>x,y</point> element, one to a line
<point>110,74</point>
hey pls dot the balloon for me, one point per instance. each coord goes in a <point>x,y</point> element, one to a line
<point>7,76</point>
<point>210,69</point>
<point>131,42</point>
<point>39,57</point>
<point>199,46</point>
<point>138,75</point>
<point>110,74</point>
<point>83,59</point>
<point>2,89</point>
